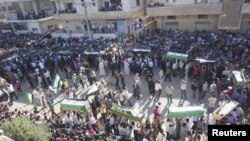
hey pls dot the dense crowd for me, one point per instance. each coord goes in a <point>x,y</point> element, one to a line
<point>229,50</point>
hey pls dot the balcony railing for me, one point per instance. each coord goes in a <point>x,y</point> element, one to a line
<point>102,15</point>
<point>73,10</point>
<point>112,8</point>
<point>189,9</point>
<point>159,4</point>
<point>33,16</point>
<point>103,29</point>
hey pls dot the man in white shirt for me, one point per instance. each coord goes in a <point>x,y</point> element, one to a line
<point>68,119</point>
<point>91,121</point>
<point>211,103</point>
<point>3,137</point>
<point>160,109</point>
<point>183,89</point>
<point>151,65</point>
<point>122,98</point>
<point>47,77</point>
<point>126,96</point>
<point>41,65</point>
<point>158,88</point>
<point>213,88</point>
<point>204,90</point>
<point>159,136</point>
<point>11,92</point>
<point>211,120</point>
<point>189,124</point>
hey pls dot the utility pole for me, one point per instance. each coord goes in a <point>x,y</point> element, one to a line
<point>86,15</point>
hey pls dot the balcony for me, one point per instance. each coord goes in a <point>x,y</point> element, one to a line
<point>189,9</point>
<point>113,7</point>
<point>101,15</point>
<point>72,11</point>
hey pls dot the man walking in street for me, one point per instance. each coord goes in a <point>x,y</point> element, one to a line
<point>213,87</point>
<point>12,93</point>
<point>183,89</point>
<point>169,91</point>
<point>50,104</point>
<point>158,89</point>
<point>211,103</point>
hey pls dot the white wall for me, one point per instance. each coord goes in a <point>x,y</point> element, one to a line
<point>70,26</point>
<point>128,5</point>
<point>28,6</point>
<point>45,24</point>
<point>62,2</point>
<point>34,24</point>
<point>46,4</point>
<point>182,2</point>
<point>90,7</point>
<point>172,2</point>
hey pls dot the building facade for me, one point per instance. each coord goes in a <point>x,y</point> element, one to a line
<point>110,18</point>
<point>105,17</point>
<point>194,15</point>
<point>28,15</point>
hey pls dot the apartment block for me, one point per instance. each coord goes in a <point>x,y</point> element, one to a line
<point>194,15</point>
<point>111,18</point>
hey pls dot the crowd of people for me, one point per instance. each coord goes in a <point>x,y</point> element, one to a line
<point>229,50</point>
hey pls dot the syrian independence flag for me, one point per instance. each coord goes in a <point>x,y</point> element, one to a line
<point>28,97</point>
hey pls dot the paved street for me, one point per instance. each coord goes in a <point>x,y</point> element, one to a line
<point>144,104</point>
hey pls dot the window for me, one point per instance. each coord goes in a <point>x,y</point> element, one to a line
<point>137,2</point>
<point>78,28</point>
<point>202,16</point>
<point>171,17</point>
<point>93,4</point>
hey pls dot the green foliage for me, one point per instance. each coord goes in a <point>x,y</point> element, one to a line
<point>22,129</point>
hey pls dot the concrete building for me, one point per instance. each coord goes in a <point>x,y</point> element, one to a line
<point>28,15</point>
<point>194,15</point>
<point>107,18</point>
<point>110,18</point>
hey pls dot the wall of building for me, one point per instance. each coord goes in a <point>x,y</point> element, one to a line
<point>182,2</point>
<point>189,23</point>
<point>71,26</point>
<point>28,6</point>
<point>62,3</point>
<point>34,26</point>
<point>91,8</point>
<point>48,25</point>
<point>245,23</point>
<point>128,5</point>
<point>48,6</point>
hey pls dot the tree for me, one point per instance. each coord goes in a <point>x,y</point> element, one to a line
<point>23,129</point>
